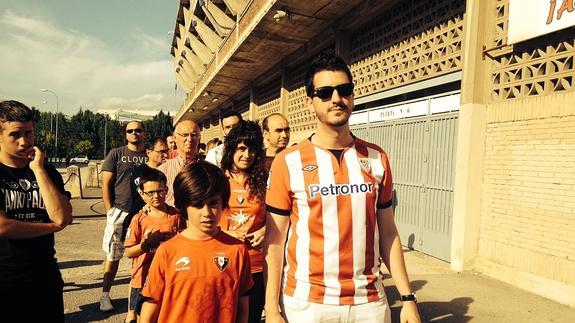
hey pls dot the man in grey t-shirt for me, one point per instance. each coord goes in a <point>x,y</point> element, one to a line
<point>116,195</point>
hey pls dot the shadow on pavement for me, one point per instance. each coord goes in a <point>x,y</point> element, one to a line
<point>72,286</point>
<point>78,263</point>
<point>452,311</point>
<point>88,216</point>
<point>91,312</point>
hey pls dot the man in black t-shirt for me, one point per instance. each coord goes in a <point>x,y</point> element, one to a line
<point>33,205</point>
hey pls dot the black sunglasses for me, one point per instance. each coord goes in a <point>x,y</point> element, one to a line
<point>326,92</point>
<point>138,130</point>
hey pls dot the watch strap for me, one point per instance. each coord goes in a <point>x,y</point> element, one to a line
<point>409,297</point>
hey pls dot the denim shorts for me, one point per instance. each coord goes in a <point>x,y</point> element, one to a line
<point>135,297</point>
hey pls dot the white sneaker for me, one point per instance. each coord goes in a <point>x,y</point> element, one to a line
<point>106,304</point>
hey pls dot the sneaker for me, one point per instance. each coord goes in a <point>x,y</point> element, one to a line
<point>106,304</point>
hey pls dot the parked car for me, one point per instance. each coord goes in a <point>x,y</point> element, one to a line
<point>80,159</point>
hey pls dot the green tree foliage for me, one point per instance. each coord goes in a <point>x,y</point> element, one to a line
<point>83,148</point>
<point>85,132</point>
<point>159,126</point>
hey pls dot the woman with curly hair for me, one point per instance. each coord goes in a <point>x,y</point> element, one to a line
<point>243,163</point>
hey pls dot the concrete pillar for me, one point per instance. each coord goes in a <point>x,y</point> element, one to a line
<point>284,92</point>
<point>343,44</point>
<point>253,104</point>
<point>73,182</point>
<point>470,139</point>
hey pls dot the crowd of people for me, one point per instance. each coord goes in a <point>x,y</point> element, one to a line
<point>221,231</point>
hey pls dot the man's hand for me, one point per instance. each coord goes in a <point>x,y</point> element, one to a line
<point>409,313</point>
<point>256,238</point>
<point>154,238</point>
<point>36,157</point>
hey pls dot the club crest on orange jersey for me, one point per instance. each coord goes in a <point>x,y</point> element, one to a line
<point>365,164</point>
<point>221,261</point>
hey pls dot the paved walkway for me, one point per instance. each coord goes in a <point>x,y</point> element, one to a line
<point>445,296</point>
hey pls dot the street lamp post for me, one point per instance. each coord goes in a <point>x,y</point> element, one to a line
<point>51,116</point>
<point>57,110</point>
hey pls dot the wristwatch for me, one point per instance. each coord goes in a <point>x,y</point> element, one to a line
<point>409,297</point>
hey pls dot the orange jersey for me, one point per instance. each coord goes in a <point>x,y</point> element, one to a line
<point>199,280</point>
<point>332,252</point>
<point>142,224</point>
<point>245,216</point>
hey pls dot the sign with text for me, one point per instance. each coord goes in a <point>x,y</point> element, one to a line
<point>532,18</point>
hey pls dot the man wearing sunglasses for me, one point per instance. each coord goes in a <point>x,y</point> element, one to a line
<point>116,194</point>
<point>330,197</point>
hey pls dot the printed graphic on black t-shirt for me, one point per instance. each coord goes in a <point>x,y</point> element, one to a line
<point>121,161</point>
<point>25,259</point>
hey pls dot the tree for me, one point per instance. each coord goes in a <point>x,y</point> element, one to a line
<point>83,148</point>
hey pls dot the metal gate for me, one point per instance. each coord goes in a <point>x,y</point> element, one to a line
<point>421,151</point>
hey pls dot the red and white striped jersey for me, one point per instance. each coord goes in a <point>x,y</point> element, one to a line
<point>332,250</point>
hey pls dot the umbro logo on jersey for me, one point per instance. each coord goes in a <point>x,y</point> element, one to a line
<point>339,189</point>
<point>182,264</point>
<point>310,168</point>
<point>221,261</point>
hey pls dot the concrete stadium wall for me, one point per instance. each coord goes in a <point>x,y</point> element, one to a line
<point>527,230</point>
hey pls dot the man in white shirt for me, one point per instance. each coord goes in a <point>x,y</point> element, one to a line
<point>228,120</point>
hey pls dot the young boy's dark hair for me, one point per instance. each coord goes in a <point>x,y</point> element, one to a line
<point>11,110</point>
<point>197,183</point>
<point>152,142</point>
<point>151,175</point>
<point>326,61</point>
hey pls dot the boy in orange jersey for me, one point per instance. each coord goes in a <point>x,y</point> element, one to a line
<point>201,274</point>
<point>154,224</point>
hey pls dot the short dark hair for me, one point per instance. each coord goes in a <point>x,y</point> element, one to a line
<point>265,121</point>
<point>152,143</point>
<point>137,121</point>
<point>151,175</point>
<point>197,183</point>
<point>12,110</point>
<point>325,61</point>
<point>230,113</point>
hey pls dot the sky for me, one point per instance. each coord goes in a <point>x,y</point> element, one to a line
<point>95,55</point>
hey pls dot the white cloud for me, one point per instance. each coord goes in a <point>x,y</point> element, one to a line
<point>83,70</point>
<point>144,102</point>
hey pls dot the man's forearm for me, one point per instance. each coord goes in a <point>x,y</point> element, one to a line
<point>57,204</point>
<point>272,275</point>
<point>397,267</point>
<point>274,241</point>
<point>107,190</point>
<point>391,250</point>
<point>106,199</point>
<point>14,229</point>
